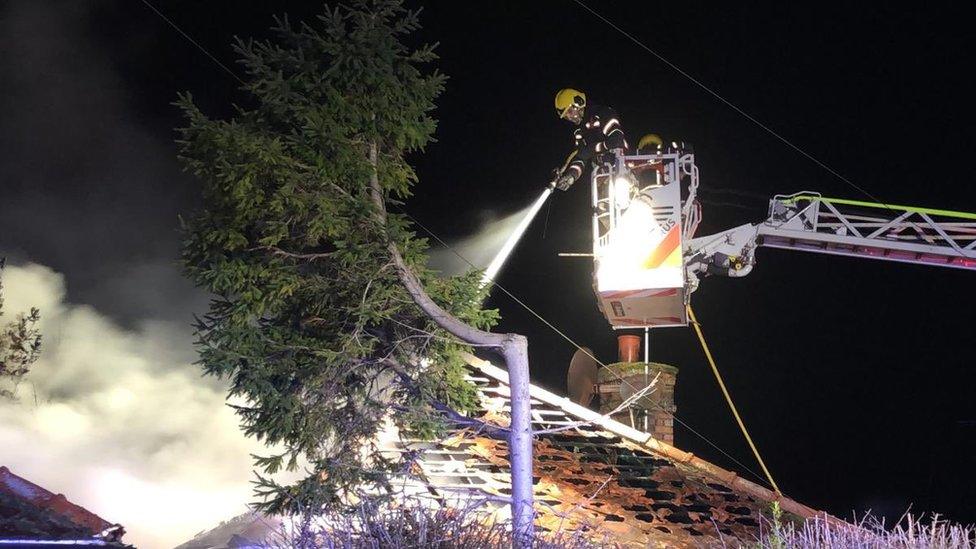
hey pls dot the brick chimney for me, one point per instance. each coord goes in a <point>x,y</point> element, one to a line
<point>659,404</point>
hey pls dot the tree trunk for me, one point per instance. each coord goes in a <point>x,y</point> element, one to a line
<point>516,353</point>
<point>513,347</point>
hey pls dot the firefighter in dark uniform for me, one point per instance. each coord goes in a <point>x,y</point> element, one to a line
<point>597,132</point>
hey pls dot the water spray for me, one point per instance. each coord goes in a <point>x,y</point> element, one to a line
<point>499,261</point>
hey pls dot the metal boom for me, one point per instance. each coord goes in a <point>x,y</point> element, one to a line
<point>810,222</point>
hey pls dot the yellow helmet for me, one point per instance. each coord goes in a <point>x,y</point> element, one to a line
<point>567,97</point>
<point>651,140</point>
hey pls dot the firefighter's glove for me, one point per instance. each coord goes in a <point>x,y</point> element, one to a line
<point>565,182</point>
<point>555,178</point>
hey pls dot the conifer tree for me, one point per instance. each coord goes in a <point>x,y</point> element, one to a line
<point>310,320</point>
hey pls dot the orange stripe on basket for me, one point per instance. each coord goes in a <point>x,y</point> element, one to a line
<point>664,249</point>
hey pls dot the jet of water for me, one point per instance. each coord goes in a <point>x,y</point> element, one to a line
<point>499,261</point>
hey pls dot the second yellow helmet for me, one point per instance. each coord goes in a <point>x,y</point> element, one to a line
<point>650,141</point>
<point>567,97</point>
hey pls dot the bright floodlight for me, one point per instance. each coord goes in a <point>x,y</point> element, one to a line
<point>622,191</point>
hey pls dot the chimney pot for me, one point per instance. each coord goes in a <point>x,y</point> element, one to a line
<point>628,348</point>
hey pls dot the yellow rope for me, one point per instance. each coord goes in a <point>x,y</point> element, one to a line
<point>728,398</point>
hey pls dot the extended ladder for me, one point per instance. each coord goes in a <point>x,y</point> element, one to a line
<point>812,223</point>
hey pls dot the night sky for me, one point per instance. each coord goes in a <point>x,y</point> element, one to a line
<point>855,377</point>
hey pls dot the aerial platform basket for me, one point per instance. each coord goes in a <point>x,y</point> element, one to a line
<point>648,260</point>
<point>638,225</point>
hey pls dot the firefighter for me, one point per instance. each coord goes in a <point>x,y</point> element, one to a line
<point>649,173</point>
<point>597,132</point>
<point>650,144</point>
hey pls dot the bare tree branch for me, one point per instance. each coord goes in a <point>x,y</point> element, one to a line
<point>514,348</point>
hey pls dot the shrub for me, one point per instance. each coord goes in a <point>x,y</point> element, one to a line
<point>412,525</point>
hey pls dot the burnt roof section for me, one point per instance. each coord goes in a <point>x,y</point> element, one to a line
<point>597,475</point>
<point>601,474</point>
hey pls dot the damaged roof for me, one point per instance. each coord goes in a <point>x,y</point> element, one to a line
<point>595,474</point>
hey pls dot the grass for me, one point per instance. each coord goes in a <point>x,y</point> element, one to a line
<point>416,525</point>
<point>909,533</point>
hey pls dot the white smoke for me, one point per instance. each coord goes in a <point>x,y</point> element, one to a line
<point>479,249</point>
<point>120,421</point>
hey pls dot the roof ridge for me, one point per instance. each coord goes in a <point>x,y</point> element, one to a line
<point>23,489</point>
